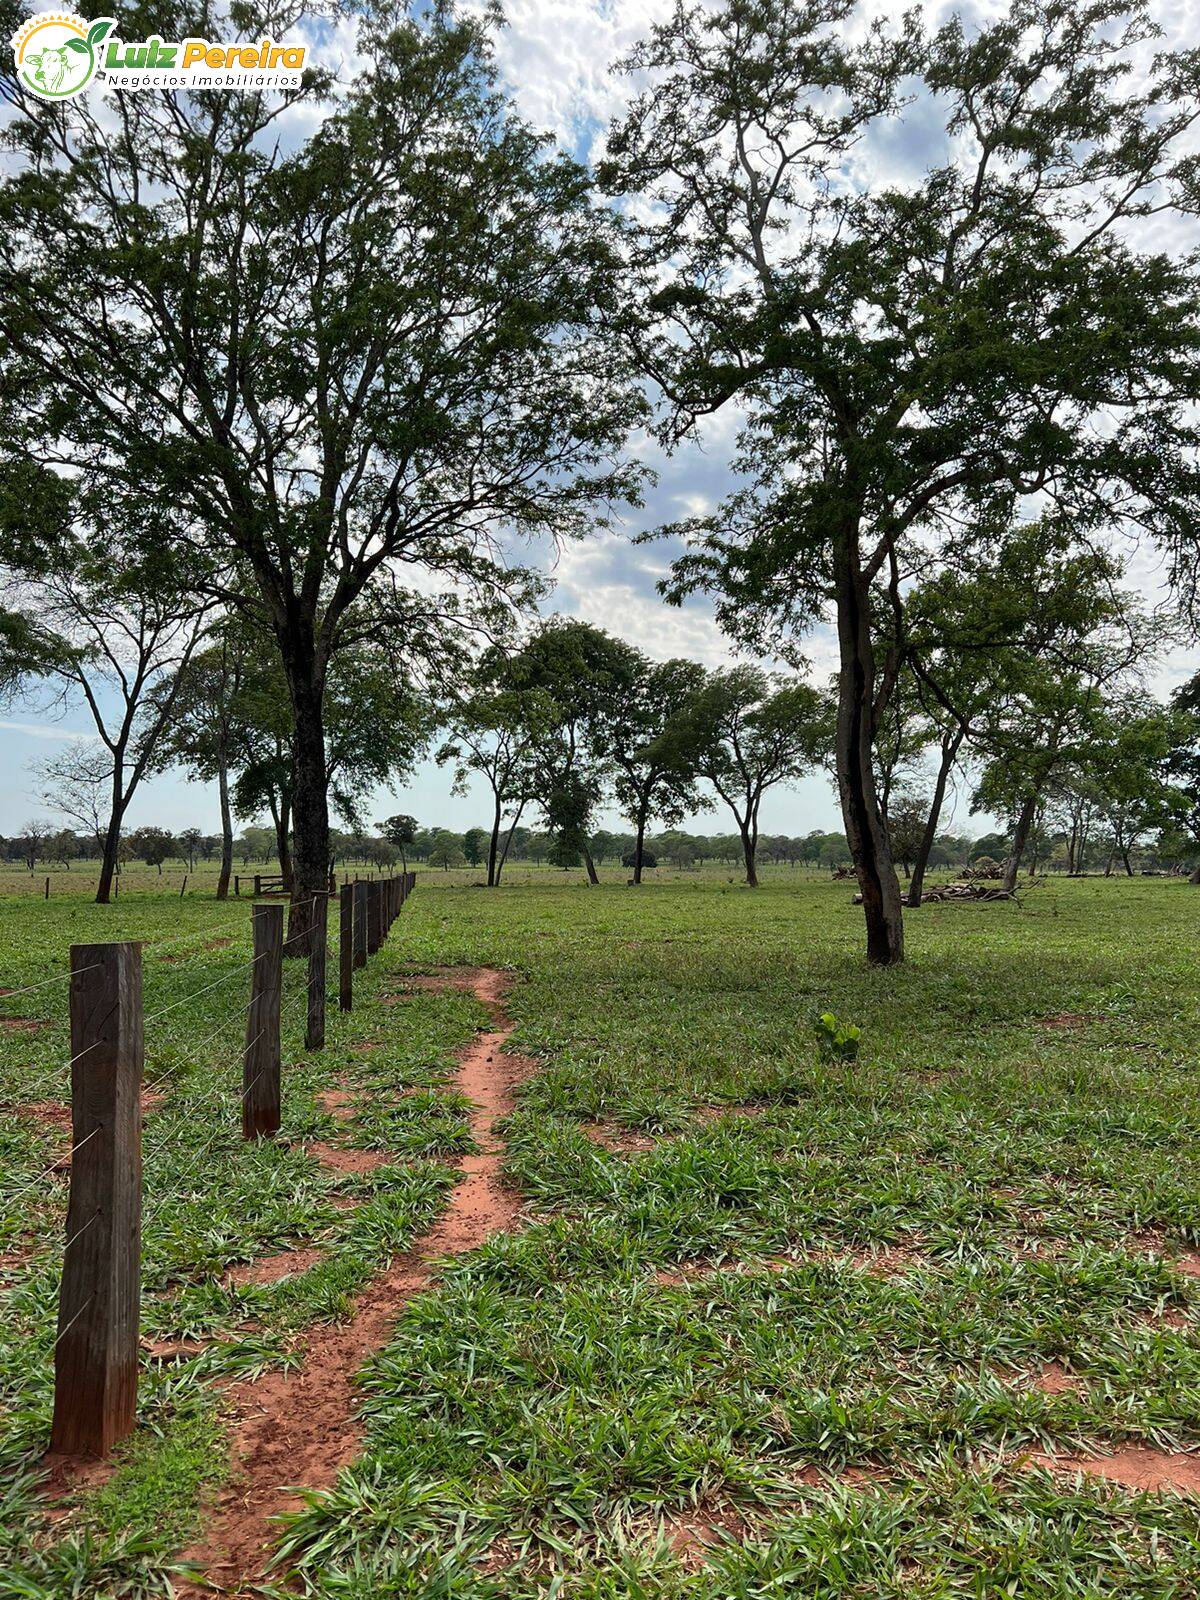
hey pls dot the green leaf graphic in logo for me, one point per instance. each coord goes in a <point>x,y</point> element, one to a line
<point>58,55</point>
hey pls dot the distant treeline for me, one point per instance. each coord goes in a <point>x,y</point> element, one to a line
<point>442,848</point>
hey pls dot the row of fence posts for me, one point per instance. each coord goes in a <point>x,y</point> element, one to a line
<point>275,883</point>
<point>96,1351</point>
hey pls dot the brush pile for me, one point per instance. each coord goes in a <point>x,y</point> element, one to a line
<point>967,890</point>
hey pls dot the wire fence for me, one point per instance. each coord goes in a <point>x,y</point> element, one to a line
<point>97,1307</point>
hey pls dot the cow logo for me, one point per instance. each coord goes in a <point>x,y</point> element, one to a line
<point>58,54</point>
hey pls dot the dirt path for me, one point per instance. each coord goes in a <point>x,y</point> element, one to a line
<point>302,1428</point>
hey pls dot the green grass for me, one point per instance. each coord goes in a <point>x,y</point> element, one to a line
<point>689,1325</point>
<point>567,1391</point>
<point>211,1202</point>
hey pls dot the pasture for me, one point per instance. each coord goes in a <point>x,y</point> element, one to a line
<point>761,1321</point>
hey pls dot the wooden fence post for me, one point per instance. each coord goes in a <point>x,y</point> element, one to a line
<point>183,885</point>
<point>360,923</point>
<point>374,916</point>
<point>47,888</point>
<point>257,884</point>
<point>314,1034</point>
<point>96,1353</point>
<point>261,1062</point>
<point>346,948</point>
<point>237,888</point>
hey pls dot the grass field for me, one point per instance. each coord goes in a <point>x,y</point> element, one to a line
<point>774,1325</point>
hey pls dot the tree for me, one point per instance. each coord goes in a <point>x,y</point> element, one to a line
<point>190,842</point>
<point>1183,768</point>
<point>972,631</point>
<point>571,675</point>
<point>914,359</point>
<point>401,830</point>
<point>77,783</point>
<point>382,853</point>
<point>206,731</point>
<point>492,734</point>
<point>63,847</point>
<point>32,841</point>
<point>1045,726</point>
<point>153,845</point>
<point>375,726</point>
<point>447,851</point>
<point>907,816</point>
<point>745,733</point>
<point>1131,767</point>
<point>636,731</point>
<point>474,841</point>
<point>357,357</point>
<point>123,619</point>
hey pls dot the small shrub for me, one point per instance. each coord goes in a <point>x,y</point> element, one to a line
<point>838,1041</point>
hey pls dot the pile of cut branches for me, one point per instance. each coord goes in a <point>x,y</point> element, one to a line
<point>967,890</point>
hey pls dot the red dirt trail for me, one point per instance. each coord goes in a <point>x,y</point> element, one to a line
<point>302,1427</point>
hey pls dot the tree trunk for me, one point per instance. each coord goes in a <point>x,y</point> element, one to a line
<point>508,838</point>
<point>593,876</point>
<point>226,833</point>
<point>112,837</point>
<point>283,847</point>
<point>949,752</point>
<point>310,801</point>
<point>1020,839</point>
<point>639,846</point>
<point>749,855</point>
<point>494,845</point>
<point>865,833</point>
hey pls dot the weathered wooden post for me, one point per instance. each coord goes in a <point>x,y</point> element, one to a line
<point>346,948</point>
<point>360,923</point>
<point>374,916</point>
<point>237,888</point>
<point>261,1062</point>
<point>47,888</point>
<point>96,1353</point>
<point>257,884</point>
<point>314,1033</point>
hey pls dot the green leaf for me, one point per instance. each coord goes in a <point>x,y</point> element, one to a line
<point>76,44</point>
<point>99,30</point>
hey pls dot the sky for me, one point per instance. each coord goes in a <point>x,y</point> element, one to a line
<point>558,59</point>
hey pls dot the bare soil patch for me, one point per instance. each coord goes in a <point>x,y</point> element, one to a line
<point>620,1141</point>
<point>270,1269</point>
<point>1136,1467</point>
<point>337,1103</point>
<point>52,1113</point>
<point>340,1158</point>
<point>1054,1378</point>
<point>461,980</point>
<point>24,1024</point>
<point>691,1535</point>
<point>301,1428</point>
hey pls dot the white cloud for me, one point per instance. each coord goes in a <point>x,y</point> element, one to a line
<point>47,730</point>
